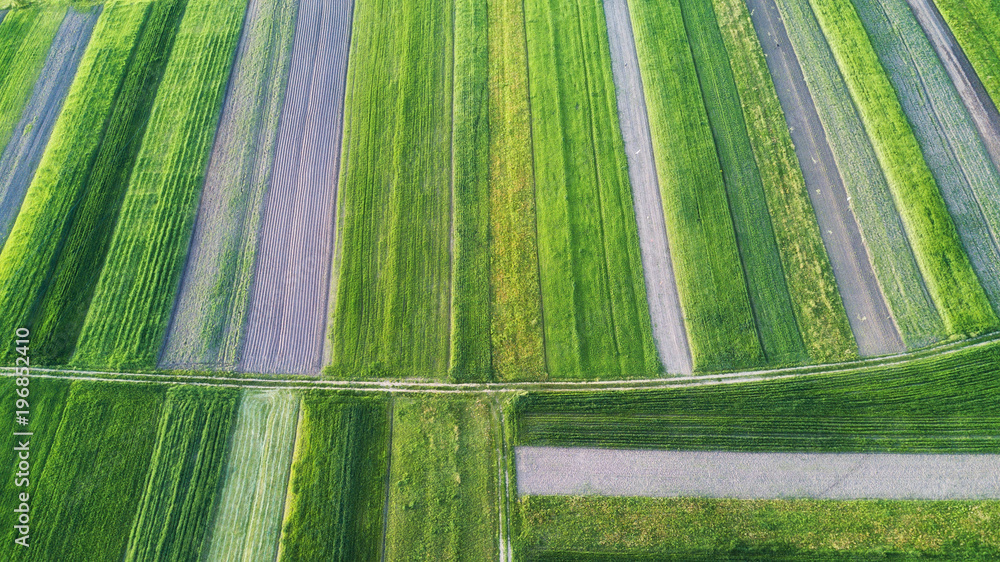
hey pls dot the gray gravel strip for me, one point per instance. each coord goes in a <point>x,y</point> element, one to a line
<point>661,287</point>
<point>864,302</point>
<point>838,476</point>
<point>3,14</point>
<point>27,143</point>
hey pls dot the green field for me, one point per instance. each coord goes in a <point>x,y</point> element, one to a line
<point>336,493</point>
<point>976,26</point>
<point>59,243</point>
<point>128,316</point>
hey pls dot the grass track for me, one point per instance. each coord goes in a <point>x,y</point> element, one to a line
<point>127,320</point>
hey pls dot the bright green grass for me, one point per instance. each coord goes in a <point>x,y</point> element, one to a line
<point>869,195</point>
<point>51,262</point>
<point>710,282</point>
<point>175,511</point>
<point>596,319</point>
<point>564,528</point>
<point>442,495</point>
<point>134,297</point>
<point>822,320</point>
<point>976,26</point>
<point>947,273</point>
<point>95,472</point>
<point>777,327</point>
<point>515,306</point>
<point>392,266</point>
<point>252,497</point>
<point>336,494</point>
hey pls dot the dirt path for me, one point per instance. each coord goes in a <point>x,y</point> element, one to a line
<point>661,288</point>
<point>24,151</point>
<point>3,14</point>
<point>288,307</point>
<point>867,312</point>
<point>717,474</point>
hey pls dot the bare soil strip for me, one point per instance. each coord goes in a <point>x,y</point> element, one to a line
<point>718,474</point>
<point>21,156</point>
<point>864,302</point>
<point>661,288</point>
<point>288,307</point>
<point>970,88</point>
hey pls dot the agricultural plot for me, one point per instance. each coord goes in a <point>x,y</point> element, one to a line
<point>970,185</point>
<point>596,319</point>
<point>288,307</point>
<point>52,260</point>
<point>209,316</point>
<point>336,494</point>
<point>180,490</point>
<point>24,150</point>
<point>247,521</point>
<point>975,26</point>
<point>128,316</point>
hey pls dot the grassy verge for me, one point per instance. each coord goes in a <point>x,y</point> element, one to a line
<point>392,266</point>
<point>336,493</point>
<point>442,496</point>
<point>598,528</point>
<point>815,298</point>
<point>175,511</point>
<point>710,281</point>
<point>127,320</point>
<point>976,27</point>
<point>596,319</point>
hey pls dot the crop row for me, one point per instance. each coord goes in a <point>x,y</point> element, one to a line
<point>977,29</point>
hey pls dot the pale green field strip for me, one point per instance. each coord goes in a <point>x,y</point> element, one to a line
<point>515,298</point>
<point>95,473</point>
<point>868,192</point>
<point>127,320</point>
<point>948,275</point>
<point>816,301</point>
<point>442,485</point>
<point>975,25</point>
<point>52,261</point>
<point>706,260</point>
<point>596,319</point>
<point>471,352</point>
<point>777,327</point>
<point>247,521</point>
<point>969,183</point>
<point>208,323</point>
<point>391,309</point>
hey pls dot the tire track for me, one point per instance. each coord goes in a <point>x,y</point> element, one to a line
<point>288,308</point>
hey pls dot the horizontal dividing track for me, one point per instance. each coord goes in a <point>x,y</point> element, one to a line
<point>871,322</point>
<point>722,474</point>
<point>21,156</point>
<point>209,315</point>
<point>288,306</point>
<point>658,270</point>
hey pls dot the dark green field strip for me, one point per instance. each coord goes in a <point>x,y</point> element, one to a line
<point>515,298</point>
<point>96,471</point>
<point>51,263</point>
<point>947,273</point>
<point>633,529</point>
<point>816,301</point>
<point>945,130</point>
<point>471,353</point>
<point>706,260</point>
<point>442,486</point>
<point>134,296</point>
<point>976,26</point>
<point>179,495</point>
<point>931,404</point>
<point>596,320</point>
<point>769,299</point>
<point>336,494</point>
<point>392,267</point>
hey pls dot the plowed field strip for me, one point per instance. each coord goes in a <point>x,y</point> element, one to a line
<point>658,270</point>
<point>288,307</point>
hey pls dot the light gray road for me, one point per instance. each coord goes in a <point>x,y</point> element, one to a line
<point>661,288</point>
<point>867,312</point>
<point>840,476</point>
<point>27,143</point>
